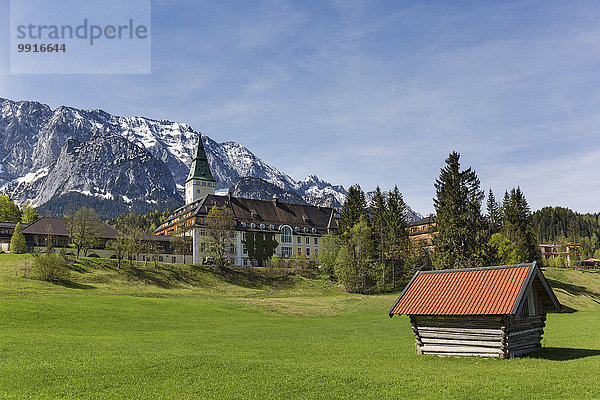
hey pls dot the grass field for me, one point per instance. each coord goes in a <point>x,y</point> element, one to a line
<point>174,332</point>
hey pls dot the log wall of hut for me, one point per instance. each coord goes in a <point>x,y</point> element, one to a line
<point>485,336</point>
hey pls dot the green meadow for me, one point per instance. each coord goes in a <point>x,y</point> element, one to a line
<point>179,332</point>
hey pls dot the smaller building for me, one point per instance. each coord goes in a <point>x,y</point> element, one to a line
<point>6,231</point>
<point>488,312</point>
<point>590,263</point>
<point>54,231</point>
<point>569,252</point>
<point>421,232</point>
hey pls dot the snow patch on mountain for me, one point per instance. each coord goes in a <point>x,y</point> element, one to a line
<point>46,154</point>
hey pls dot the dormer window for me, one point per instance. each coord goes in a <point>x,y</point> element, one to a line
<point>253,225</point>
<point>262,226</point>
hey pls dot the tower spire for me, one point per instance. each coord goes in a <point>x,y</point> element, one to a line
<point>200,180</point>
<point>200,168</point>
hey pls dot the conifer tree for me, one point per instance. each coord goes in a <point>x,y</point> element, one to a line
<point>378,215</point>
<point>17,242</point>
<point>353,208</point>
<point>494,218</point>
<point>517,226</point>
<point>396,237</point>
<point>460,225</point>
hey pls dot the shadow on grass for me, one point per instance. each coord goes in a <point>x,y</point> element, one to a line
<point>73,285</point>
<point>249,278</point>
<point>563,353</point>
<point>149,277</point>
<point>575,290</point>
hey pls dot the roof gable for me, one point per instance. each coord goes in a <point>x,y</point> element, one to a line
<point>473,291</point>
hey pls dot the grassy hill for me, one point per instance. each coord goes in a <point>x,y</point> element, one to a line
<point>173,331</point>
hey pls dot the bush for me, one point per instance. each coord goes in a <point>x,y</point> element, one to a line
<point>50,267</point>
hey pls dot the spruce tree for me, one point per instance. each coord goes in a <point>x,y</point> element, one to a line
<point>517,225</point>
<point>378,223</point>
<point>17,242</point>
<point>396,237</point>
<point>460,240</point>
<point>494,218</point>
<point>353,208</point>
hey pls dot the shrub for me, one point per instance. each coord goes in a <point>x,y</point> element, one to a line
<point>50,267</point>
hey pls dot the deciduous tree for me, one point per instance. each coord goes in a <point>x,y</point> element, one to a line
<point>219,223</point>
<point>84,228</point>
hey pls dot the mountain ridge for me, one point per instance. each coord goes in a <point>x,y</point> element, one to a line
<point>46,154</point>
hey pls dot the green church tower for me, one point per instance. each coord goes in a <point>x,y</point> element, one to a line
<point>200,180</point>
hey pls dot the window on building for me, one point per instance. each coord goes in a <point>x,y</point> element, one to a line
<point>299,240</point>
<point>286,252</point>
<point>316,241</point>
<point>244,236</point>
<point>307,240</point>
<point>286,234</point>
<point>307,252</point>
<point>299,251</point>
<point>232,248</point>
<point>173,259</point>
<point>244,249</point>
<point>202,232</point>
<point>245,262</point>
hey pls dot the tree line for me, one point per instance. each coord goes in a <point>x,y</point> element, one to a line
<point>372,252</point>
<point>562,225</point>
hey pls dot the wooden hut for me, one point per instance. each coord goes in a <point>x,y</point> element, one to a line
<point>489,312</point>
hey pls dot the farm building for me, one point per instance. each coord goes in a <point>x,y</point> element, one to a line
<point>489,312</point>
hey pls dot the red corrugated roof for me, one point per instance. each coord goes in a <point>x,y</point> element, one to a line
<point>493,290</point>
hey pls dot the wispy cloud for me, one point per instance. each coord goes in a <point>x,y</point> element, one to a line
<point>376,93</point>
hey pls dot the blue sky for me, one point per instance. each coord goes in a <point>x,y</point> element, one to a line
<point>372,92</point>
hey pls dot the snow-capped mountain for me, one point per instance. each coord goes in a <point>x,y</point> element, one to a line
<point>48,156</point>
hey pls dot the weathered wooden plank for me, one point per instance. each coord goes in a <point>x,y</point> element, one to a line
<point>526,331</point>
<point>462,330</point>
<point>529,339</point>
<point>457,317</point>
<point>522,352</point>
<point>528,318</point>
<point>458,323</point>
<point>457,349</point>
<point>495,343</point>
<point>526,325</point>
<point>444,335</point>
<point>494,355</point>
<point>522,343</point>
